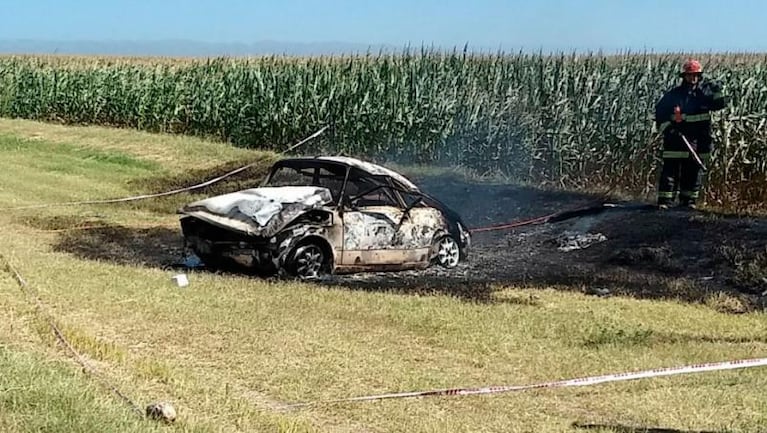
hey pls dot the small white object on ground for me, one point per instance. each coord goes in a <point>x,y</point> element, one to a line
<point>181,280</point>
<point>162,411</point>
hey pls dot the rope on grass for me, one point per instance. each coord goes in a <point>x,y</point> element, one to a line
<point>161,194</point>
<point>163,411</point>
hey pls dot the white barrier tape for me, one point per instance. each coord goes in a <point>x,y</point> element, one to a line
<point>162,194</point>
<point>584,381</point>
<point>136,197</point>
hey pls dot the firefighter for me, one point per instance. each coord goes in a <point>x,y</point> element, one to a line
<point>683,115</point>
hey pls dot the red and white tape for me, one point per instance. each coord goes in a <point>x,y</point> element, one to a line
<point>583,381</point>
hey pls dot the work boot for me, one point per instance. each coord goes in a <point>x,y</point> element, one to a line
<point>688,203</point>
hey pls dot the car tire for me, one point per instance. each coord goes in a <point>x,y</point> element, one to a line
<point>308,261</point>
<point>447,253</point>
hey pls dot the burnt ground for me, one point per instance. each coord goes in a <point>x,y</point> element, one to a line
<point>679,254</point>
<point>636,250</point>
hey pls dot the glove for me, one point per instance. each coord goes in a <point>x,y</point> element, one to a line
<point>710,88</point>
<point>671,131</point>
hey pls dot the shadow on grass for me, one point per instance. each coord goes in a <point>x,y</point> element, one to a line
<point>152,247</point>
<point>475,291</point>
<point>627,429</point>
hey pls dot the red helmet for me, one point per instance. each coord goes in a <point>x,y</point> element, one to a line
<point>691,66</point>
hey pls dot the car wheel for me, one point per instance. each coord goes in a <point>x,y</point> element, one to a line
<point>309,262</point>
<point>448,254</point>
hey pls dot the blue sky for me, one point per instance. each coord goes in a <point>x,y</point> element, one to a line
<point>735,25</point>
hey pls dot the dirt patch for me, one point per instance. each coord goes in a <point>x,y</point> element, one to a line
<point>59,222</point>
<point>154,247</point>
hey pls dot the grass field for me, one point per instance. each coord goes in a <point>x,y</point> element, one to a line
<point>229,350</point>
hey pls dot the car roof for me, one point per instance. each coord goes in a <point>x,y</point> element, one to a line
<point>368,167</point>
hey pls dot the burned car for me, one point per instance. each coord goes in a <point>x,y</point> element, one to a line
<point>315,216</point>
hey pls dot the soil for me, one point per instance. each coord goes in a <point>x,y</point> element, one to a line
<point>637,251</point>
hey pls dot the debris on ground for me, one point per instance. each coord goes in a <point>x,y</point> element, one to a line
<point>192,261</point>
<point>571,241</point>
<point>188,261</point>
<point>597,291</point>
<point>181,280</point>
<point>161,411</point>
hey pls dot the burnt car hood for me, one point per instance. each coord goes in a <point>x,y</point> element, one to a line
<point>259,211</point>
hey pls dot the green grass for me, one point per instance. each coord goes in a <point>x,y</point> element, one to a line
<point>229,350</point>
<point>43,395</point>
<point>80,170</point>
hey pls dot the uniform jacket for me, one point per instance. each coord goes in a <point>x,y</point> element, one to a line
<point>687,110</point>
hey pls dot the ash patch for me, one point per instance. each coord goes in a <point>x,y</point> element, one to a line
<point>152,247</point>
<point>660,258</point>
<point>571,241</point>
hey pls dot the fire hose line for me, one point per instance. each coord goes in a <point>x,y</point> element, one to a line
<point>536,220</point>
<point>555,216</point>
<point>232,173</point>
<point>562,216</point>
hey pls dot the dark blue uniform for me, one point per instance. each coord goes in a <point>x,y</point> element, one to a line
<point>686,111</point>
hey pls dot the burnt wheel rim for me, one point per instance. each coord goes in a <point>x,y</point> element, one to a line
<point>309,262</point>
<point>448,253</point>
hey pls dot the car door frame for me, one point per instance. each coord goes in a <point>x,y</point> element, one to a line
<point>372,235</point>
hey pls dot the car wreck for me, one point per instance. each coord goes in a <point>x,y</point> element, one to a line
<point>315,216</point>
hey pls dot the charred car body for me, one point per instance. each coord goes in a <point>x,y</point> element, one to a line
<point>325,215</point>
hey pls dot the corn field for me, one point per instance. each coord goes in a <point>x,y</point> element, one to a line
<point>578,121</point>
